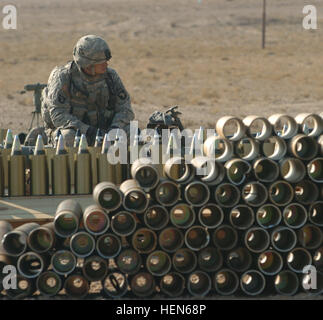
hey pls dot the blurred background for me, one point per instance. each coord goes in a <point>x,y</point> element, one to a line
<point>203,55</point>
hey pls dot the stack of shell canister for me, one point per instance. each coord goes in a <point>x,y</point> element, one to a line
<point>243,217</point>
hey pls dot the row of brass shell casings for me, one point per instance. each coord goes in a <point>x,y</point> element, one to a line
<point>50,284</point>
<point>69,216</point>
<point>185,270</point>
<point>63,170</point>
<point>299,250</point>
<point>261,128</point>
<point>185,261</point>
<point>224,237</point>
<point>225,282</point>
<point>198,283</point>
<point>41,187</point>
<point>300,146</point>
<point>175,218</point>
<point>253,193</point>
<point>78,172</point>
<point>238,171</point>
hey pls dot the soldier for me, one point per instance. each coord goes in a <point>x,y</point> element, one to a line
<point>85,94</point>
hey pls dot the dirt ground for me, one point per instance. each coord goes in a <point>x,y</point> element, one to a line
<point>203,55</point>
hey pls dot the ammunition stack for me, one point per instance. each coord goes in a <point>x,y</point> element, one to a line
<point>45,170</point>
<point>243,217</point>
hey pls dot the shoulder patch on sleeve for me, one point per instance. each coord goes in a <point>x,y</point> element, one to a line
<point>122,94</point>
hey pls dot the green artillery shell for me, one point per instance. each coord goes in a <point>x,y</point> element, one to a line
<point>17,166</point>
<point>72,151</point>
<point>226,282</point>
<point>25,288</point>
<point>239,259</point>
<point>63,262</point>
<point>143,284</point>
<point>172,284</point>
<point>252,282</point>
<point>95,268</point>
<point>67,218</point>
<point>5,259</point>
<point>60,175</point>
<point>115,285</point>
<point>126,167</point>
<point>144,240</point>
<point>134,198</point>
<point>105,169</point>
<point>118,168</point>
<point>286,283</point>
<point>76,286</point>
<point>94,152</point>
<point>39,175</point>
<point>15,242</point>
<point>199,283</point>
<point>95,220</point>
<point>83,177</point>
<point>158,263</point>
<point>125,171</point>
<point>145,173</point>
<point>160,165</point>
<point>50,153</point>
<point>42,239</point>
<point>118,173</point>
<point>184,260</point>
<point>49,283</point>
<point>5,227</point>
<point>107,195</point>
<point>32,264</point>
<point>5,154</point>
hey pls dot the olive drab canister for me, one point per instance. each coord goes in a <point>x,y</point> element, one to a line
<point>39,170</point>
<point>60,170</point>
<point>16,170</point>
<point>67,218</point>
<point>83,174</point>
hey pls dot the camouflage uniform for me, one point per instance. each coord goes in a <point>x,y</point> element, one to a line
<point>75,100</point>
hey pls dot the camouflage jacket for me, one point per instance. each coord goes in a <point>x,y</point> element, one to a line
<point>74,100</point>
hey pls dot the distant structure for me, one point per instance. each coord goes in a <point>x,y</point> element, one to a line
<point>264,25</point>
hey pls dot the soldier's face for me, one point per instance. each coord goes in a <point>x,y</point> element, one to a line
<point>101,68</point>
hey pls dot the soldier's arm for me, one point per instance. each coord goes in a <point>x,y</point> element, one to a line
<point>58,104</point>
<point>123,110</point>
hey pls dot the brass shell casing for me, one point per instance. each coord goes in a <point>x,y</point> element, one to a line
<point>83,175</point>
<point>39,175</point>
<point>60,174</point>
<point>106,171</point>
<point>16,177</point>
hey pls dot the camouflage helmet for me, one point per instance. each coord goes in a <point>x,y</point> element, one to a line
<point>90,50</point>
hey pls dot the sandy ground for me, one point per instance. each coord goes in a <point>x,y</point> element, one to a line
<point>204,56</point>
